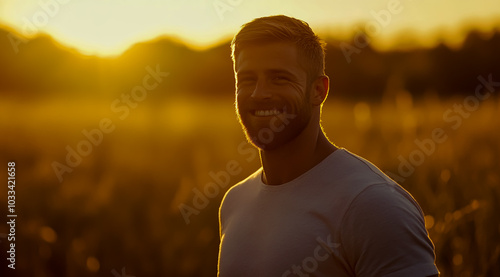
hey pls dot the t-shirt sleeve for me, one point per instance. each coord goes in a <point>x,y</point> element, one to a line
<point>384,234</point>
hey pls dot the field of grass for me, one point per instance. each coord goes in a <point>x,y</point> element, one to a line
<point>118,209</point>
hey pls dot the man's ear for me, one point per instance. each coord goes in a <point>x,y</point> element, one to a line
<point>319,90</point>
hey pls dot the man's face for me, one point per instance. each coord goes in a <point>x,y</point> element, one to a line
<point>272,99</point>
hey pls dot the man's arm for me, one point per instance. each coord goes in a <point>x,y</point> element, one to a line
<point>384,235</point>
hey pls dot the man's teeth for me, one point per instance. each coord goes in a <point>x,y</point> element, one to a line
<point>267,112</point>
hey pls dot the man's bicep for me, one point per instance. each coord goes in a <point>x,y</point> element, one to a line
<point>384,235</point>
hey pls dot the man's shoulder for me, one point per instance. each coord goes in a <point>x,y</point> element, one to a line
<point>243,187</point>
<point>382,225</point>
<point>249,182</point>
<point>344,175</point>
<point>369,184</point>
<point>354,168</point>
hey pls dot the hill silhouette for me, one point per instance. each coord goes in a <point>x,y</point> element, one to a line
<point>40,67</point>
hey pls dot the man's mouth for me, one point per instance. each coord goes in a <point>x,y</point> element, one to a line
<point>268,112</point>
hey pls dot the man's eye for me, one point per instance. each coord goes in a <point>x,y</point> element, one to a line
<point>281,79</point>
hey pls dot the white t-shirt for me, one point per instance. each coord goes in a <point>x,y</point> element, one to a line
<point>343,217</point>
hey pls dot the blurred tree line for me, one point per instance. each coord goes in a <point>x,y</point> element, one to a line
<point>40,67</point>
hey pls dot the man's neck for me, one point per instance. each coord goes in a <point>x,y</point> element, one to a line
<point>289,161</point>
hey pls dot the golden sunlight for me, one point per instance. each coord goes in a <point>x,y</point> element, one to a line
<point>110,27</point>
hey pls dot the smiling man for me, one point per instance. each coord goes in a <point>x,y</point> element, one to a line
<point>312,209</point>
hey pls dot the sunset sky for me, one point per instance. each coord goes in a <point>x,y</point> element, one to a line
<point>108,27</point>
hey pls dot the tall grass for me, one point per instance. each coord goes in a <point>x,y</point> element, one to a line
<point>119,207</point>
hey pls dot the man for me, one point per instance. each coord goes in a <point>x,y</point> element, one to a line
<point>312,209</point>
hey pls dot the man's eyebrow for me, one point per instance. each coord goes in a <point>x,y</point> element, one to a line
<point>281,71</point>
<point>269,71</point>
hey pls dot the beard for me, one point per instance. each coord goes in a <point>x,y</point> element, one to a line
<point>280,129</point>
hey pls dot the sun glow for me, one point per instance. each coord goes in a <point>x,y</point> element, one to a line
<point>109,27</point>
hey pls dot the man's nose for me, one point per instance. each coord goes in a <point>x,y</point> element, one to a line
<point>261,91</point>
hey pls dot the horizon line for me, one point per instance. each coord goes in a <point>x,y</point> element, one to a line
<point>325,35</point>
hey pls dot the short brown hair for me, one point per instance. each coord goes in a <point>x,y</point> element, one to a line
<point>281,28</point>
